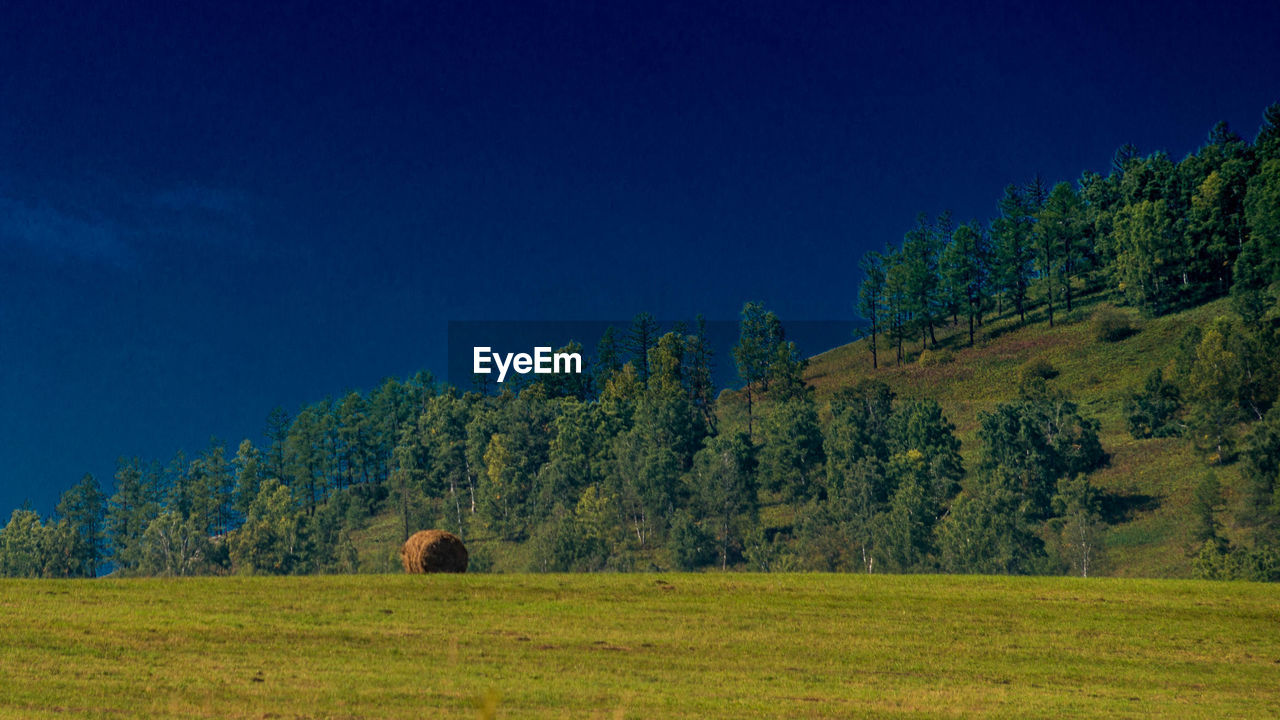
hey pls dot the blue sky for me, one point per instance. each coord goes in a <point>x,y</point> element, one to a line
<point>213,209</point>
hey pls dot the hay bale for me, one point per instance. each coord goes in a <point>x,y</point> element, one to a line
<point>433,551</point>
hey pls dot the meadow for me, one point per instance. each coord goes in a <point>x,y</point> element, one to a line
<point>638,646</point>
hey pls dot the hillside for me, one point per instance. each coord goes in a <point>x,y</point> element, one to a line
<point>1148,482</point>
<point>1147,485</point>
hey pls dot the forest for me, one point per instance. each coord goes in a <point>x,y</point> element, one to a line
<point>633,466</point>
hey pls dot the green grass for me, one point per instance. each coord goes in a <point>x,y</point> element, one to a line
<point>638,646</point>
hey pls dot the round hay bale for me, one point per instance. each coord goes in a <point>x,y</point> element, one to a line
<point>433,551</point>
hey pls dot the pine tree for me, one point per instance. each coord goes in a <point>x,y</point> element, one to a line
<point>760,333</point>
<point>640,340</point>
<point>964,271</point>
<point>1014,251</point>
<point>1059,233</point>
<point>871,298</point>
<point>83,508</point>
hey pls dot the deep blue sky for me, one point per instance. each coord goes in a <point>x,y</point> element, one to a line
<point>205,213</point>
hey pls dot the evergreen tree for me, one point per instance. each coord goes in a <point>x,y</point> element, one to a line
<point>131,509</point>
<point>641,339</point>
<point>759,336</point>
<point>1014,260</point>
<point>701,383</point>
<point>1059,238</point>
<point>791,449</point>
<point>964,272</point>
<point>871,299</point>
<point>277,432</point>
<point>83,509</point>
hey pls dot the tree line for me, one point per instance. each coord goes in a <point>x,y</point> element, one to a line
<point>633,465</point>
<point>1157,234</point>
<point>627,468</point>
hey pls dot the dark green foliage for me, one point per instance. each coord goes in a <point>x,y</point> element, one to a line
<point>642,338</point>
<point>22,545</point>
<point>1261,470</point>
<point>1153,410</point>
<point>1232,378</point>
<point>1032,443</point>
<point>871,300</point>
<point>690,545</point>
<point>1206,504</point>
<point>272,539</point>
<point>83,509</point>
<point>791,448</point>
<point>724,489</point>
<point>1014,260</point>
<point>987,532</point>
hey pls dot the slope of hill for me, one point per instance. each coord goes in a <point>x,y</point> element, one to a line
<point>1148,482</point>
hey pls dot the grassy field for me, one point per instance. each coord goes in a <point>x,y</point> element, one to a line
<point>638,646</point>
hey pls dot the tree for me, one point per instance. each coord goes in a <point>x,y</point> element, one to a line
<point>791,451</point>
<point>1014,250</point>
<point>918,427</point>
<point>896,294</point>
<point>760,334</point>
<point>701,383</point>
<point>355,441</point>
<point>304,460</point>
<point>987,531</point>
<point>277,432</point>
<point>1261,455</point>
<point>964,267</point>
<point>249,472</point>
<point>920,250</point>
<point>174,545</point>
<point>1153,411</point>
<point>608,358</point>
<point>1206,504</point>
<point>131,509</point>
<point>1214,389</point>
<point>871,298</point>
<point>1078,524</point>
<point>83,509</point>
<point>1267,142</point>
<point>272,539</point>
<point>724,485</point>
<point>1257,268</point>
<point>1034,442</point>
<point>1060,233</point>
<point>905,530</point>
<point>641,339</point>
<point>21,552</point>
<point>570,465</point>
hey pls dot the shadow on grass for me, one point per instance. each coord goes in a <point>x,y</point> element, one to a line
<point>1121,507</point>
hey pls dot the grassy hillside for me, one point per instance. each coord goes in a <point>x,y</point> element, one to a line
<point>638,646</point>
<point>1149,482</point>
